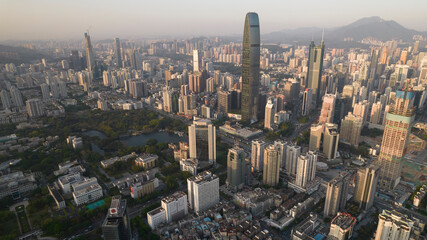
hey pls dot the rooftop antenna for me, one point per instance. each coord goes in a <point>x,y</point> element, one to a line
<point>323,33</point>
<point>87,30</point>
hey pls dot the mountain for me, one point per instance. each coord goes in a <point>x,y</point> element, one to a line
<point>375,27</point>
<point>18,55</point>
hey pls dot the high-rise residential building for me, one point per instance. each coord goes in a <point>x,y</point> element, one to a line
<point>224,101</point>
<point>116,225</point>
<point>292,154</point>
<point>307,101</point>
<point>361,109</point>
<point>34,107</point>
<point>5,99</point>
<point>328,108</point>
<point>203,191</point>
<point>315,64</point>
<point>250,67</point>
<point>272,161</point>
<point>118,53</point>
<point>197,61</point>
<point>206,111</point>
<point>281,146</point>
<point>394,225</point>
<point>366,185</point>
<point>316,131</point>
<point>342,227</point>
<point>62,89</point>
<point>54,89</point>
<point>306,170</point>
<point>269,114</point>
<point>376,113</point>
<point>395,138</point>
<point>238,169</point>
<point>351,128</point>
<point>45,91</point>
<point>202,140</point>
<point>90,57</point>
<point>175,206</point>
<point>348,91</point>
<point>336,195</point>
<point>167,99</point>
<point>257,155</point>
<point>291,90</point>
<point>330,140</point>
<point>197,81</point>
<point>16,97</point>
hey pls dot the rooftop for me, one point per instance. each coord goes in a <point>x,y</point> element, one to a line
<point>344,221</point>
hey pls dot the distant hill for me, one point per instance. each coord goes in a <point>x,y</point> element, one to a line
<point>375,27</point>
<point>18,55</point>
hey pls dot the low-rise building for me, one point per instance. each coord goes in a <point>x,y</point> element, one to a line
<point>87,194</point>
<point>189,165</point>
<point>57,197</point>
<point>66,181</point>
<point>142,188</point>
<point>15,184</point>
<point>156,217</point>
<point>147,161</point>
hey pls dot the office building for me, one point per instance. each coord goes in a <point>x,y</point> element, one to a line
<point>34,107</point>
<point>395,138</point>
<point>292,154</point>
<point>394,225</point>
<point>202,140</point>
<point>328,108</point>
<point>342,227</point>
<point>269,114</point>
<point>16,184</point>
<point>116,225</point>
<point>307,100</point>
<point>351,128</point>
<point>330,140</point>
<point>314,75</point>
<point>306,169</point>
<point>156,217</point>
<point>175,206</point>
<point>250,67</point>
<point>224,101</point>
<point>257,155</point>
<point>140,187</point>
<point>90,57</point>
<point>271,169</point>
<point>197,61</point>
<point>316,131</point>
<point>238,169</point>
<point>366,186</point>
<point>203,191</point>
<point>336,195</point>
<point>118,53</point>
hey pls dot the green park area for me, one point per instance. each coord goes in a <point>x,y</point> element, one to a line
<point>22,218</point>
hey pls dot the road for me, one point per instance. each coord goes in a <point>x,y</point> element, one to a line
<point>385,205</point>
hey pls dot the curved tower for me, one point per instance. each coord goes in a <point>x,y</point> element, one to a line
<point>250,68</point>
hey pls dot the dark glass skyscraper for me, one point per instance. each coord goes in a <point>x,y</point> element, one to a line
<point>315,64</point>
<point>118,52</point>
<point>90,57</point>
<point>250,67</point>
<point>116,225</point>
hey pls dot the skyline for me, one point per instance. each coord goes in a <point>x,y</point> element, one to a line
<point>133,19</point>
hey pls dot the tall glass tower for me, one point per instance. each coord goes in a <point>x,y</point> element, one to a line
<point>90,57</point>
<point>315,64</point>
<point>118,52</point>
<point>250,68</point>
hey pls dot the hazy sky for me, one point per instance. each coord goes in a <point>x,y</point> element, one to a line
<point>65,19</point>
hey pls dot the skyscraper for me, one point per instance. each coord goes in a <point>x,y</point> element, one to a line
<point>328,108</point>
<point>257,155</point>
<point>307,101</point>
<point>116,225</point>
<point>16,96</point>
<point>292,154</point>
<point>45,91</point>
<point>330,140</point>
<point>250,67</point>
<point>394,225</point>
<point>34,107</point>
<point>316,131</point>
<point>395,138</point>
<point>272,161</point>
<point>315,64</point>
<point>351,127</point>
<point>197,61</point>
<point>269,114</point>
<point>336,195</point>
<point>90,57</point>
<point>224,101</point>
<point>237,168</point>
<point>202,140</point>
<point>366,185</point>
<point>118,52</point>
<point>175,206</point>
<point>306,170</point>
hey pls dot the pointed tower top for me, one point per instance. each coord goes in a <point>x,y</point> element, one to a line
<point>323,34</point>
